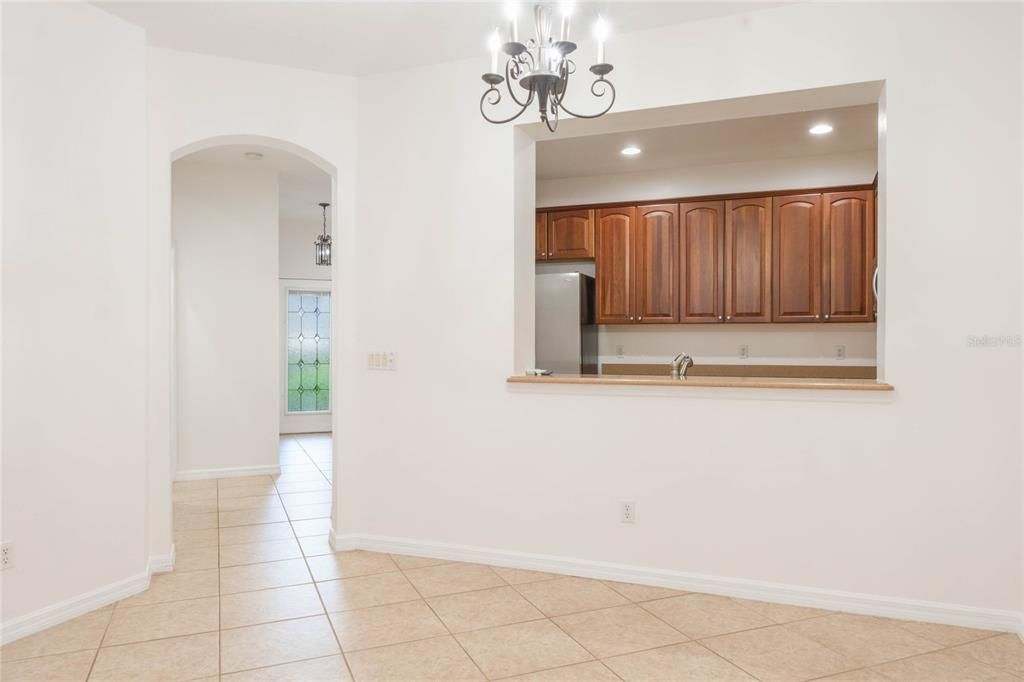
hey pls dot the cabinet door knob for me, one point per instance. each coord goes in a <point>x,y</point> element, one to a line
<point>817,317</point>
<point>640,318</point>
<point>826,316</point>
<point>728,317</point>
<point>550,253</point>
<point>719,318</point>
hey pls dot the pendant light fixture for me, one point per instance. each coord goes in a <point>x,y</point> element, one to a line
<point>323,242</point>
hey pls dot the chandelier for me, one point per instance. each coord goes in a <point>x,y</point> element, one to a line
<point>542,68</point>
<point>323,242</point>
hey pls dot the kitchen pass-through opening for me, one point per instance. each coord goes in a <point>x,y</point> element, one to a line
<point>735,247</point>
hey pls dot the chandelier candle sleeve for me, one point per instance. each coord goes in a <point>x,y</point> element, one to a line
<point>540,70</point>
<point>512,11</point>
<point>494,44</point>
<point>601,33</point>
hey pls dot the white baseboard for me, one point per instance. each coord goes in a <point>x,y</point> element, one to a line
<point>58,613</point>
<point>343,543</point>
<point>229,472</point>
<point>162,563</point>
<point>833,600</point>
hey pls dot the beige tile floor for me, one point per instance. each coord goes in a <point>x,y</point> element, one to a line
<point>257,594</point>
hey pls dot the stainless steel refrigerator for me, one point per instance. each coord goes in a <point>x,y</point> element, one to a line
<point>566,332</point>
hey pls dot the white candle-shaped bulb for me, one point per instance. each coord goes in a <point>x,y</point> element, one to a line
<point>567,7</point>
<point>494,44</point>
<point>601,33</point>
<point>512,12</point>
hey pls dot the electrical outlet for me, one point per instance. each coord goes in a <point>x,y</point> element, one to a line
<point>744,352</point>
<point>840,352</point>
<point>620,352</point>
<point>6,556</point>
<point>627,512</point>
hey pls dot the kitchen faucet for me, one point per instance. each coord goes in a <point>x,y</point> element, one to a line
<point>680,364</point>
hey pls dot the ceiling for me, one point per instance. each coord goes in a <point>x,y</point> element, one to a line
<point>302,186</point>
<point>359,38</point>
<point>703,144</point>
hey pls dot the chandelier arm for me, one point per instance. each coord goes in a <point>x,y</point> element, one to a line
<point>607,86</point>
<point>509,78</point>
<point>494,102</point>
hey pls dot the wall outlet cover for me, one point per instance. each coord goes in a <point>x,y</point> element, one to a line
<point>627,511</point>
<point>6,556</point>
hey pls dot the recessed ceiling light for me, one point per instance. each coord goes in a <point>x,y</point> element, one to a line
<point>253,156</point>
<point>821,129</point>
<point>631,150</point>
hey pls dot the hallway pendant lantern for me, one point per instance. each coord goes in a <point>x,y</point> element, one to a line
<point>323,242</point>
<point>542,68</point>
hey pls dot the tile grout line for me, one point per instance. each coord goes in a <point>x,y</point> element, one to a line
<point>441,620</point>
<point>630,603</point>
<point>96,655</point>
<point>728,661</point>
<point>305,561</point>
<point>923,653</point>
<point>690,640</point>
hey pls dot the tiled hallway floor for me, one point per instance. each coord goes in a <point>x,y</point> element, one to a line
<point>257,594</point>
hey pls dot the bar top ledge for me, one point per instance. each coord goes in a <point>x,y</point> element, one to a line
<point>705,382</point>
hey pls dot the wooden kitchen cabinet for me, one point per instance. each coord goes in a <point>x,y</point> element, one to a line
<point>570,234</point>
<point>848,228</point>
<point>748,260</point>
<point>657,291</point>
<point>800,257</point>
<point>541,239</point>
<point>614,265</point>
<point>796,258</point>
<point>701,236</point>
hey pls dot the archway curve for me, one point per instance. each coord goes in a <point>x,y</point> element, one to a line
<point>261,140</point>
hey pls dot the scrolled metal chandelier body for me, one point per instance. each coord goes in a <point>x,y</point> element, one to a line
<point>542,67</point>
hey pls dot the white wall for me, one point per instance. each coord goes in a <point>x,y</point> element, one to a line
<point>74,309</point>
<point>225,234</point>
<point>296,250</point>
<point>195,100</point>
<point>767,344</point>
<point>915,495</point>
<point>830,170</point>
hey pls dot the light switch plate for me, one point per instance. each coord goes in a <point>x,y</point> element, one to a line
<point>382,360</point>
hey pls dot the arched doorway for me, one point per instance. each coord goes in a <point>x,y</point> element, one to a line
<point>244,213</point>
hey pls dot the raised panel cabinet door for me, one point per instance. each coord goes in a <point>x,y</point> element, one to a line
<point>701,229</point>
<point>657,231</point>
<point>748,260</point>
<point>848,224</point>
<point>796,258</point>
<point>541,239</point>
<point>571,234</point>
<point>614,265</point>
